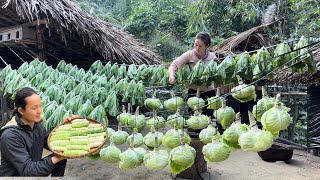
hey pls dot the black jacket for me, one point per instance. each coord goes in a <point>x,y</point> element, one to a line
<point>21,150</point>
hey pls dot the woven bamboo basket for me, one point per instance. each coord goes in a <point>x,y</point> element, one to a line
<point>92,150</point>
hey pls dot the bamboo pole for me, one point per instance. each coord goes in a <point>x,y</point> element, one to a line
<point>291,93</point>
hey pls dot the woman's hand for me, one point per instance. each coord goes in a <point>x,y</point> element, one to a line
<point>172,80</point>
<point>68,119</point>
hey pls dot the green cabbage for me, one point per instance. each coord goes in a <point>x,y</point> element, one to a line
<point>172,138</point>
<point>129,159</point>
<point>255,139</point>
<point>124,116</point>
<point>276,118</point>
<point>173,103</point>
<point>137,139</point>
<point>136,121</point>
<point>157,122</point>
<point>243,92</point>
<point>110,131</point>
<point>264,104</point>
<point>153,103</point>
<point>216,152</point>
<point>110,154</point>
<point>181,158</point>
<point>175,120</point>
<point>225,115</point>
<point>119,137</point>
<point>231,135</point>
<point>216,101</point>
<point>156,160</point>
<point>198,121</point>
<point>196,103</point>
<point>150,141</point>
<point>141,152</point>
<point>206,134</point>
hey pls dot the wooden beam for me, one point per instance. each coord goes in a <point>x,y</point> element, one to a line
<point>41,43</point>
<point>28,24</point>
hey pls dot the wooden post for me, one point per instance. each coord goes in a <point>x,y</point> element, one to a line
<point>294,119</point>
<point>199,166</point>
<point>4,108</point>
<point>41,44</point>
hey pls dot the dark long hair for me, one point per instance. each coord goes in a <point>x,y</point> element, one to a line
<point>205,38</point>
<point>20,99</point>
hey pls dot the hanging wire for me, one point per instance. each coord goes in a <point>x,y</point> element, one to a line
<point>29,54</point>
<point>16,54</point>
<point>4,61</point>
<point>225,95</point>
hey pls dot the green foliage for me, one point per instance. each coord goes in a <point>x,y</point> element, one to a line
<point>169,26</point>
<point>168,46</point>
<point>143,20</point>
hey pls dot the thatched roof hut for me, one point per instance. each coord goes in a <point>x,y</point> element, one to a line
<point>249,40</point>
<point>59,29</point>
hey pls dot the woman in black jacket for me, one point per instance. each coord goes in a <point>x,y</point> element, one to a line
<point>23,139</point>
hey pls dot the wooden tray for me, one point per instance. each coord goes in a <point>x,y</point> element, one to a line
<point>92,150</point>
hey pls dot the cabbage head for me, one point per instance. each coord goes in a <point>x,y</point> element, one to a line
<point>156,160</point>
<point>216,152</point>
<point>110,131</point>
<point>136,121</point>
<point>150,141</point>
<point>176,121</point>
<point>153,104</point>
<point>225,116</point>
<point>157,122</point>
<point>129,159</point>
<point>181,158</point>
<point>262,106</point>
<point>173,103</point>
<point>276,119</point>
<point>243,92</point>
<point>123,118</point>
<point>172,138</point>
<point>256,140</point>
<point>198,121</point>
<point>110,154</point>
<point>141,152</point>
<point>119,137</point>
<point>196,103</point>
<point>207,134</point>
<point>136,138</point>
<point>215,102</point>
<point>231,135</point>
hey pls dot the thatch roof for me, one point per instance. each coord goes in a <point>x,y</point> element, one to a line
<point>249,40</point>
<point>305,78</point>
<point>74,35</point>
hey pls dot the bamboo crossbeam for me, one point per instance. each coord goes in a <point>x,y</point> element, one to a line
<point>291,93</point>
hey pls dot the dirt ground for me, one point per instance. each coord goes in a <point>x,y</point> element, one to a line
<point>240,165</point>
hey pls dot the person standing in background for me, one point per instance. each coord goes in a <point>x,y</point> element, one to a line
<point>200,52</point>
